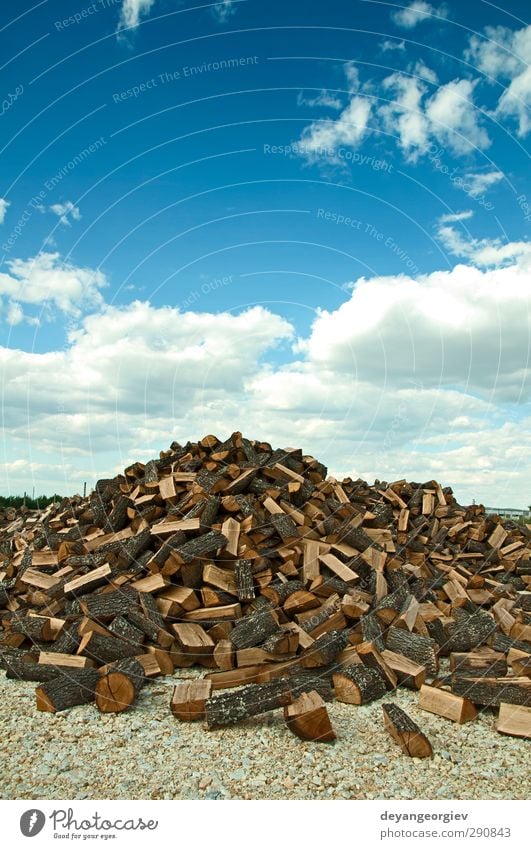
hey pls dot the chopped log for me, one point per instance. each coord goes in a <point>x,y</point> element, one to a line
<point>189,699</point>
<point>421,650</point>
<point>408,673</point>
<point>77,687</point>
<point>254,629</point>
<point>324,650</point>
<point>492,664</point>
<point>406,733</point>
<point>200,546</point>
<point>514,720</point>
<point>304,681</point>
<point>244,580</point>
<point>307,717</point>
<point>370,656</point>
<point>469,630</point>
<point>358,684</point>
<point>86,583</point>
<point>224,655</point>
<point>285,527</point>
<point>105,606</point>
<point>494,691</point>
<point>105,649</point>
<point>252,700</point>
<point>118,688</point>
<point>372,631</point>
<point>448,705</point>
<point>193,639</point>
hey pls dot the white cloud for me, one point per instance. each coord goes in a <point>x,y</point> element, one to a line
<point>388,45</point>
<point>454,118</point>
<point>456,216</point>
<point>404,115</point>
<point>65,212</point>
<point>409,16</point>
<point>3,209</point>
<point>326,137</point>
<point>14,314</point>
<point>324,99</point>
<point>478,184</point>
<point>483,252</point>
<point>133,10</point>
<point>506,54</point>
<point>224,10</point>
<point>49,282</point>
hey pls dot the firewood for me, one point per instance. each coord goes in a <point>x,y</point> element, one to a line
<point>244,580</point>
<point>406,733</point>
<point>77,687</point>
<point>307,717</point>
<point>254,629</point>
<point>370,656</point>
<point>446,704</point>
<point>118,688</point>
<point>224,655</point>
<point>87,583</point>
<point>189,699</point>
<point>408,673</point>
<point>358,684</point>
<point>514,720</point>
<point>252,700</point>
<point>494,691</point>
<point>421,650</point>
<point>324,650</point>
<point>105,649</point>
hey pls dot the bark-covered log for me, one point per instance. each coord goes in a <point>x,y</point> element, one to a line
<point>285,527</point>
<point>422,650</point>
<point>304,680</point>
<point>104,649</point>
<point>254,629</point>
<point>358,684</point>
<point>117,518</point>
<point>244,579</point>
<point>103,607</point>
<point>325,649</point>
<point>493,691</point>
<point>76,687</point>
<point>251,700</point>
<point>201,546</point>
<point>501,642</point>
<point>28,670</point>
<point>119,687</point>
<point>469,630</point>
<point>405,732</point>
<point>372,631</point>
<point>123,628</point>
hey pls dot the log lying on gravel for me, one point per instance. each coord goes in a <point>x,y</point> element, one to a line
<point>251,563</point>
<point>514,720</point>
<point>73,688</point>
<point>406,733</point>
<point>189,699</point>
<point>449,705</point>
<point>307,717</point>
<point>255,699</point>
<point>118,688</point>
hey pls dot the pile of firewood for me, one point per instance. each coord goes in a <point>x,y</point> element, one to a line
<point>252,564</point>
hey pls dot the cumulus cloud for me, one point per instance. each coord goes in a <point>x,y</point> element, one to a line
<point>51,283</point>
<point>388,45</point>
<point>417,11</point>
<point>326,137</point>
<point>505,54</point>
<point>133,11</point>
<point>483,252</point>
<point>66,211</point>
<point>478,184</point>
<point>454,118</point>
<point>3,209</point>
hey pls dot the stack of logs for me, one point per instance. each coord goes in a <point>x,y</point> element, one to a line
<point>252,564</point>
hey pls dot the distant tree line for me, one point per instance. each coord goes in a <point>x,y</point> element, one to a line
<point>32,503</point>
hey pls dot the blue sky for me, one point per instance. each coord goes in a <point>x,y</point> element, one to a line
<point>305,221</point>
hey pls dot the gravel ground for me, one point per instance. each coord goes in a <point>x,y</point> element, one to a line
<point>147,754</point>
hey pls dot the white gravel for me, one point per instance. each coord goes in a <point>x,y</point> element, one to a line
<point>148,754</point>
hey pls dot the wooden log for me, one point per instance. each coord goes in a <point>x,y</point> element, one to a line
<point>448,705</point>
<point>406,733</point>
<point>358,684</point>
<point>193,639</point>
<point>86,583</point>
<point>200,546</point>
<point>422,650</point>
<point>514,720</point>
<point>254,629</point>
<point>494,691</point>
<point>469,631</point>
<point>189,699</point>
<point>491,664</point>
<point>228,708</point>
<point>307,717</point>
<point>77,687</point>
<point>408,673</point>
<point>244,580</point>
<point>224,654</point>
<point>105,606</point>
<point>324,650</point>
<point>105,649</point>
<point>370,656</point>
<point>118,688</point>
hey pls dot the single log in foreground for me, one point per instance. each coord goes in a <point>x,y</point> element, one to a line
<point>446,704</point>
<point>494,691</point>
<point>118,688</point>
<point>514,720</point>
<point>405,732</point>
<point>251,700</point>
<point>307,717</point>
<point>73,688</point>
<point>189,698</point>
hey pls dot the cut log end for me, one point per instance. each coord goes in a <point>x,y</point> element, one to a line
<point>307,717</point>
